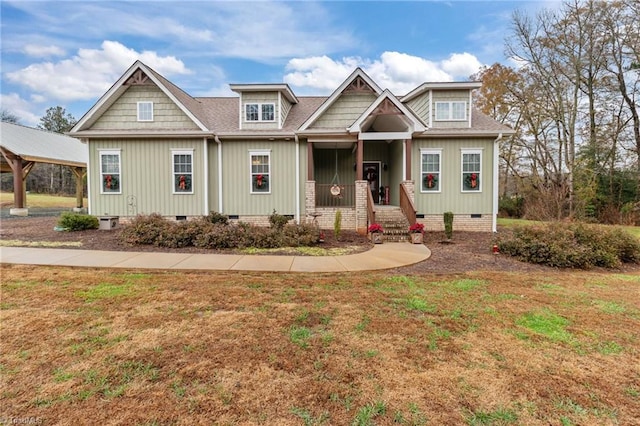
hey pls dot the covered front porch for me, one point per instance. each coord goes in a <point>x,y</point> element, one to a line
<point>358,178</point>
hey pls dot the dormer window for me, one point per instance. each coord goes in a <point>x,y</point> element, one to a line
<point>145,111</point>
<point>260,112</point>
<point>451,111</point>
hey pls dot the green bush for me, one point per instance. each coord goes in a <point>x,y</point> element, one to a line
<point>572,245</point>
<point>78,222</point>
<point>337,225</point>
<point>511,206</point>
<point>448,224</point>
<point>277,221</point>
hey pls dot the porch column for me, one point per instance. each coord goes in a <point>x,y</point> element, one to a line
<point>79,173</point>
<point>407,158</point>
<point>359,159</point>
<point>310,168</point>
<point>20,171</point>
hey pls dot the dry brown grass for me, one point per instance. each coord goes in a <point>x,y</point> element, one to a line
<point>110,347</point>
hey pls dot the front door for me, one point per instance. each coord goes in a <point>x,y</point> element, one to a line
<point>371,172</point>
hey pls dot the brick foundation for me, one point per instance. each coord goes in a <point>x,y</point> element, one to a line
<point>461,222</point>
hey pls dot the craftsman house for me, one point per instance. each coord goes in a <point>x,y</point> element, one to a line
<point>362,150</point>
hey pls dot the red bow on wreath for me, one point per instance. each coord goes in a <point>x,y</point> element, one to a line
<point>183,182</point>
<point>108,181</point>
<point>259,181</point>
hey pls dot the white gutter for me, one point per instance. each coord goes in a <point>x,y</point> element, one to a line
<point>89,200</point>
<point>217,139</point>
<point>496,159</point>
<point>298,178</point>
<point>206,176</point>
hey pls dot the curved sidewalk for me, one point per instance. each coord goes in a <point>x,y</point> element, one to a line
<point>381,256</point>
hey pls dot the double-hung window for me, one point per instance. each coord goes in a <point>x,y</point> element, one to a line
<point>451,111</point>
<point>471,170</point>
<point>260,112</point>
<point>260,172</point>
<point>145,111</point>
<point>430,170</point>
<point>110,176</point>
<point>182,162</point>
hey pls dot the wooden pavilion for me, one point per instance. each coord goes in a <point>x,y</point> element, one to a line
<point>22,147</point>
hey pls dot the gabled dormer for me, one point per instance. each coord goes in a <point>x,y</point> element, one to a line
<point>263,106</point>
<point>443,105</point>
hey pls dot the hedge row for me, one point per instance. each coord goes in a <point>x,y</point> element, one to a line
<point>572,245</point>
<point>214,232</point>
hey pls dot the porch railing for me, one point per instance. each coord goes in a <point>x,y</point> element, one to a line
<point>324,197</point>
<point>407,206</point>
<point>371,208</point>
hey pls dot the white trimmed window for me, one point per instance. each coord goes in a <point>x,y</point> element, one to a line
<point>451,111</point>
<point>260,172</point>
<point>471,170</point>
<point>145,111</point>
<point>110,176</point>
<point>182,162</point>
<point>260,112</point>
<point>430,170</point>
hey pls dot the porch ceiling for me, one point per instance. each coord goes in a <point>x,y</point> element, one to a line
<point>386,123</point>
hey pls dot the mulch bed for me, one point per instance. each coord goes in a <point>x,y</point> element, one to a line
<point>467,251</point>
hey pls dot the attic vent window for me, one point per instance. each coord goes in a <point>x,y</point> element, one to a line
<point>145,111</point>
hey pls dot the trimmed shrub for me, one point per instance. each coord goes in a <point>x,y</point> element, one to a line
<point>145,229</point>
<point>337,224</point>
<point>78,222</point>
<point>216,235</point>
<point>572,245</point>
<point>277,221</point>
<point>215,217</point>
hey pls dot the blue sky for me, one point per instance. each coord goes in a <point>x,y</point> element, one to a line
<point>69,53</point>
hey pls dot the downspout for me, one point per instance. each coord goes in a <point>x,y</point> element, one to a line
<point>90,201</point>
<point>297,178</point>
<point>494,216</point>
<point>219,142</point>
<point>206,176</point>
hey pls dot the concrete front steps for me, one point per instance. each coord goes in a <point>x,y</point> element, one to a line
<point>394,223</point>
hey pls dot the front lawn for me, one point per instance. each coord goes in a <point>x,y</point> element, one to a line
<point>124,347</point>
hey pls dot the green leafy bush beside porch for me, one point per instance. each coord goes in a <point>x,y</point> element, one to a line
<point>573,245</point>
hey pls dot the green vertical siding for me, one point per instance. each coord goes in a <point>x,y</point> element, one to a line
<point>146,178</point>
<point>451,197</point>
<point>237,196</point>
<point>395,171</point>
<point>213,177</point>
<point>450,96</point>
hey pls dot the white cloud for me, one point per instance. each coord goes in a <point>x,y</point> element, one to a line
<point>19,107</point>
<point>40,51</point>
<point>398,72</point>
<point>461,65</point>
<point>90,72</point>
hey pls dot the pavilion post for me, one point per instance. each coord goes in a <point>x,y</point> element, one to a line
<point>79,173</point>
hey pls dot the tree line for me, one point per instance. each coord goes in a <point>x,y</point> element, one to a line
<point>572,98</point>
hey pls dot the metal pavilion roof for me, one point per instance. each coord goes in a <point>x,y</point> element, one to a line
<point>43,146</point>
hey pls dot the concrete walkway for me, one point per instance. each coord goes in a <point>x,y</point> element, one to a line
<point>381,256</point>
